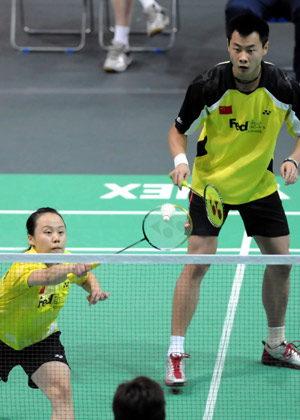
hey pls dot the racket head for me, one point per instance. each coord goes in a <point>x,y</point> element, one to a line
<point>166,235</point>
<point>214,205</point>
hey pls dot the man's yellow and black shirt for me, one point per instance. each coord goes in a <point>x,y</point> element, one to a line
<point>239,130</point>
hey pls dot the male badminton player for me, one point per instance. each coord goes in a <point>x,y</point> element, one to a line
<point>31,297</point>
<point>241,104</point>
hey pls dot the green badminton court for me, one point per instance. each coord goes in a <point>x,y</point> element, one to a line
<point>128,335</point>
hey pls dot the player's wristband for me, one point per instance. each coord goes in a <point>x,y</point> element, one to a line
<point>291,160</point>
<point>181,158</point>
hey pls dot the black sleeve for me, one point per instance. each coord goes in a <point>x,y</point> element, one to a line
<point>284,88</point>
<point>191,108</point>
<point>296,98</point>
<point>203,92</point>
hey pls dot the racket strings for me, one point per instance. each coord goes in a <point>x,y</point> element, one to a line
<point>167,233</point>
<point>214,205</point>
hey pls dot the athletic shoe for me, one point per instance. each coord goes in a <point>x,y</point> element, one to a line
<point>285,355</point>
<point>156,19</point>
<point>175,371</point>
<point>118,57</point>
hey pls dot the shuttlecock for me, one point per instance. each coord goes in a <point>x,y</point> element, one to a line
<point>167,211</point>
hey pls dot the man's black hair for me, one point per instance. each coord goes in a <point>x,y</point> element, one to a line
<point>247,23</point>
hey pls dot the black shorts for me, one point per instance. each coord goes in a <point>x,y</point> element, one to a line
<point>263,217</point>
<point>31,357</point>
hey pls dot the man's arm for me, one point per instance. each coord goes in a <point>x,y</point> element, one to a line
<point>289,168</point>
<point>178,147</point>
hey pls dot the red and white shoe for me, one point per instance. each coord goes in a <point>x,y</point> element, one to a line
<point>285,355</point>
<point>175,370</point>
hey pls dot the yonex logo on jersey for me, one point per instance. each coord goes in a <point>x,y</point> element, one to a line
<point>240,127</point>
<point>66,284</point>
<point>266,112</point>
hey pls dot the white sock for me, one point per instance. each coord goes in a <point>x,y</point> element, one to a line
<point>176,344</point>
<point>276,335</point>
<point>122,34</point>
<point>147,3</point>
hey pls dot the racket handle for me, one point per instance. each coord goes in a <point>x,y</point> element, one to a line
<point>184,183</point>
<point>187,185</point>
<point>71,275</point>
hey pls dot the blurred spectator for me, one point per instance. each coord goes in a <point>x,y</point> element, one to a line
<point>118,57</point>
<point>288,9</point>
<point>139,399</point>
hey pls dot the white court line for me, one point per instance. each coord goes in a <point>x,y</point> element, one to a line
<point>136,249</point>
<point>84,212</point>
<point>91,91</point>
<point>111,249</point>
<point>114,249</point>
<point>115,212</point>
<point>227,327</point>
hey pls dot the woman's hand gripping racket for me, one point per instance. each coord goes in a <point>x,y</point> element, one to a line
<point>213,202</point>
<point>165,227</point>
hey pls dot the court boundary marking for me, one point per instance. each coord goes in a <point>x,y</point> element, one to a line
<point>115,212</point>
<point>136,249</point>
<point>226,332</point>
<point>91,91</point>
<point>123,213</point>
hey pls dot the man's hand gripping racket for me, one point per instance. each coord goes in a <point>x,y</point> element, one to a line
<point>213,202</point>
<point>165,227</point>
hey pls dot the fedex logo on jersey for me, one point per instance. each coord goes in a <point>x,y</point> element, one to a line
<point>43,301</point>
<point>55,300</point>
<point>240,127</point>
<point>250,126</point>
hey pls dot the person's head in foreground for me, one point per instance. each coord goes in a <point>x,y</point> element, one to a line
<point>247,39</point>
<point>139,399</point>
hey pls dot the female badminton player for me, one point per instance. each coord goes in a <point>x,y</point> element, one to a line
<point>31,297</point>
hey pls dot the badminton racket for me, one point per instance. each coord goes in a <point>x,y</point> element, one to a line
<point>165,227</point>
<point>214,205</point>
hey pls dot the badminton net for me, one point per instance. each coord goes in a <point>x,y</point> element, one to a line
<point>128,335</point>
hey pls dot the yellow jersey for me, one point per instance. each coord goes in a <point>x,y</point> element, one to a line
<point>29,314</point>
<point>239,130</point>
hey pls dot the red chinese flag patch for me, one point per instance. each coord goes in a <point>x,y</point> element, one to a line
<point>225,109</point>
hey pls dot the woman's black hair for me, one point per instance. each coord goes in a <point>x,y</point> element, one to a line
<point>32,219</point>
